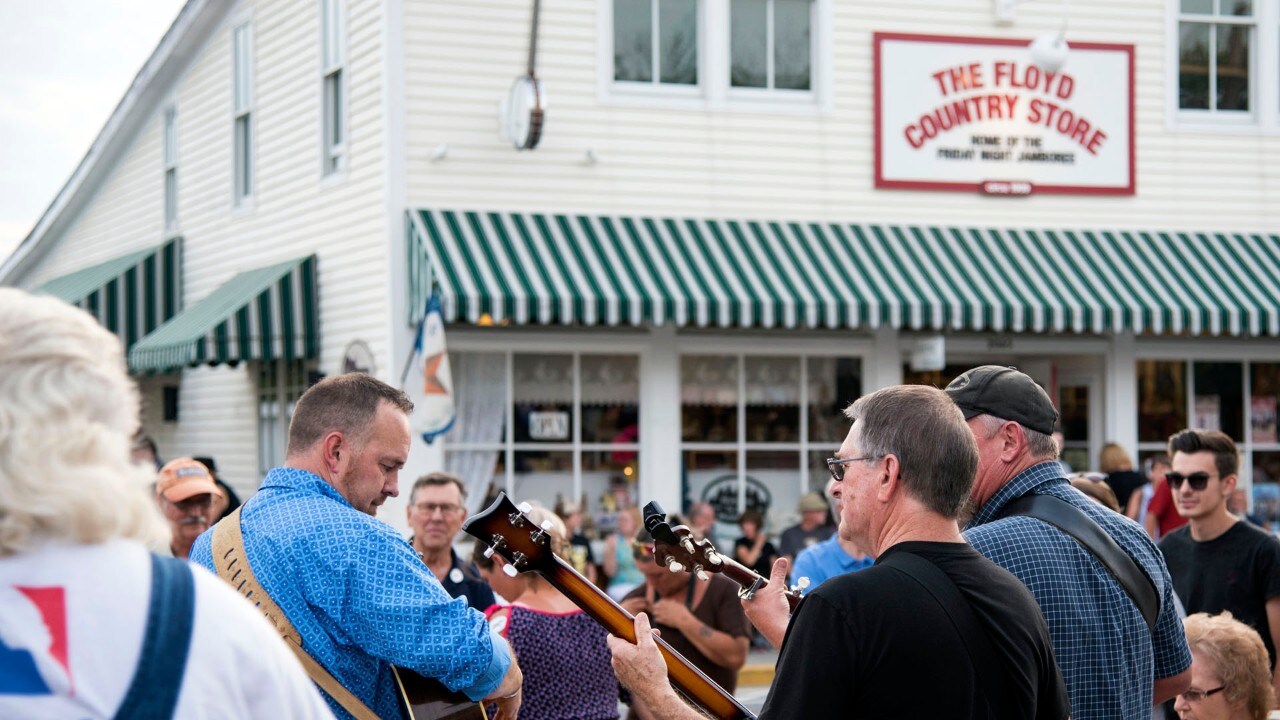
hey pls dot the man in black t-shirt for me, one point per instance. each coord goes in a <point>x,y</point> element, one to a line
<point>932,630</point>
<point>1218,562</point>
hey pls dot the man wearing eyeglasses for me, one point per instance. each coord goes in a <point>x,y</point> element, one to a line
<point>932,630</point>
<point>1114,663</point>
<point>437,507</point>
<point>1217,562</point>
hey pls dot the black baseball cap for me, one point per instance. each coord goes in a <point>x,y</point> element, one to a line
<point>1006,393</point>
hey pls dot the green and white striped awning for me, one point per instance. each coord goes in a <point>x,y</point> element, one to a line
<point>611,270</point>
<point>131,295</point>
<point>270,313</point>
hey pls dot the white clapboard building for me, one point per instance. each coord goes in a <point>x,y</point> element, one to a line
<point>673,243</point>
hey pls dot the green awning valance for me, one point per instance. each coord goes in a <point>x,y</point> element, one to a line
<point>269,313</point>
<point>593,270</point>
<point>131,295</point>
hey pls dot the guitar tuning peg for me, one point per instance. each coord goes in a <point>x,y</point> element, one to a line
<point>524,507</point>
<point>714,558</point>
<point>488,552</point>
<point>700,573</point>
<point>674,565</point>
<point>546,525</point>
<point>687,544</point>
<point>510,570</point>
<point>802,583</point>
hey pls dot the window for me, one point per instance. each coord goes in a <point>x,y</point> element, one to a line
<point>548,426</point>
<point>748,54</point>
<point>333,42</point>
<point>170,168</point>
<point>756,430</point>
<point>770,45</point>
<point>1215,55</point>
<point>280,384</point>
<point>242,101</point>
<point>655,41</point>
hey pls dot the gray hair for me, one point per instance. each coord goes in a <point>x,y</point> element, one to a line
<point>922,427</point>
<point>68,413</point>
<point>438,479</point>
<point>1039,446</point>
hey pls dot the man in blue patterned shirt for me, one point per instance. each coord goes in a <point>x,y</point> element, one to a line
<point>350,585</point>
<point>1114,665</point>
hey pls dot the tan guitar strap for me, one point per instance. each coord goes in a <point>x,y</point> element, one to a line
<point>233,566</point>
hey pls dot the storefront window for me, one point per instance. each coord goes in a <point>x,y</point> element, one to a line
<point>1162,399</point>
<point>1266,488</point>
<point>1219,401</point>
<point>570,430</point>
<point>746,444</point>
<point>1073,408</point>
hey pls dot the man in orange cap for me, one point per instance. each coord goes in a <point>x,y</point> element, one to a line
<point>185,492</point>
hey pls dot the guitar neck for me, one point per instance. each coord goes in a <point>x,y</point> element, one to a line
<point>746,577</point>
<point>620,623</point>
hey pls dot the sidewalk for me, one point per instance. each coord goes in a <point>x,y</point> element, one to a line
<point>758,672</point>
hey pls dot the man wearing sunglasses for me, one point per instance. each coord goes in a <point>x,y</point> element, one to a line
<point>1217,562</point>
<point>1114,663</point>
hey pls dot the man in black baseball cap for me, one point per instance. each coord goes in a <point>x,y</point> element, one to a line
<point>1114,664</point>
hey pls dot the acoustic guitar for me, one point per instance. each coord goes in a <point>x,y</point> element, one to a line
<point>680,550</point>
<point>526,547</point>
<point>424,698</point>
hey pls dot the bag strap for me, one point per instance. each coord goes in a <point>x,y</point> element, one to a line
<point>233,566</point>
<point>958,610</point>
<point>1071,520</point>
<point>153,694</point>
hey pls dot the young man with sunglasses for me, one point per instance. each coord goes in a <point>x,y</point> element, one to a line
<point>1217,562</point>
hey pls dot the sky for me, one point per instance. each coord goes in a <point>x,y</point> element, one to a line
<point>64,65</point>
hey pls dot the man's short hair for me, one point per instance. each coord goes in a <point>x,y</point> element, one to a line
<point>341,403</point>
<point>434,479</point>
<point>925,430</point>
<point>1192,440</point>
<point>69,413</point>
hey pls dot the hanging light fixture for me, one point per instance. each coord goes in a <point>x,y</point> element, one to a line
<point>1048,51</point>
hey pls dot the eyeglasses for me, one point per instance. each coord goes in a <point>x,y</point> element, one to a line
<point>837,472</point>
<point>1197,480</point>
<point>427,508</point>
<point>1195,696</point>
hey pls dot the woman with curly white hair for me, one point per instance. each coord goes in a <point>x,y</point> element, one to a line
<point>94,625</point>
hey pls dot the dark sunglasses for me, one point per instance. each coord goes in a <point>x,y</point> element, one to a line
<point>642,551</point>
<point>1197,480</point>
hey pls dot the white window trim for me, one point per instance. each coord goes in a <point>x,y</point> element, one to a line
<point>244,203</point>
<point>713,91</point>
<point>341,151</point>
<point>169,162</point>
<point>1264,80</point>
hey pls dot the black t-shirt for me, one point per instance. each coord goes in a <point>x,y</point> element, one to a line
<point>875,644</point>
<point>768,553</point>
<point>1238,571</point>
<point>1123,483</point>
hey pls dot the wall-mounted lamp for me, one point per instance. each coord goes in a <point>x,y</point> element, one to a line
<point>1048,51</point>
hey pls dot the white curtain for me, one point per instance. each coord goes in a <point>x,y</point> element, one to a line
<point>479,393</point>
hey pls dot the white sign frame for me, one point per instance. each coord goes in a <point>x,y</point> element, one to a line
<point>1010,128</point>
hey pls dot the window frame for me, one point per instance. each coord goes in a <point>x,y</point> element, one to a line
<point>279,385</point>
<point>714,91</point>
<point>1263,115</point>
<point>243,177</point>
<point>334,156</point>
<point>169,164</point>
<point>771,93</point>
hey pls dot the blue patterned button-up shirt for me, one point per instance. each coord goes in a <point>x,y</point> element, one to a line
<point>1108,656</point>
<point>358,594</point>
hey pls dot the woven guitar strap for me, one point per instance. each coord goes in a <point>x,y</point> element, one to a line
<point>233,566</point>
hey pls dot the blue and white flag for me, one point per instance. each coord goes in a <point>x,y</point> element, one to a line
<point>429,379</point>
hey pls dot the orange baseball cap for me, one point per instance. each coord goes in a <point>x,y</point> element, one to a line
<point>183,478</point>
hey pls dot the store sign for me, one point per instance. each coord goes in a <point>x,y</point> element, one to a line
<point>549,426</point>
<point>957,113</point>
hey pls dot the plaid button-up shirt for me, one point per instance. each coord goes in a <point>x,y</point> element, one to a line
<point>1108,656</point>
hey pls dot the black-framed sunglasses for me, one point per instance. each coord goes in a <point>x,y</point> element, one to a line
<point>836,465</point>
<point>1197,480</point>
<point>1195,696</point>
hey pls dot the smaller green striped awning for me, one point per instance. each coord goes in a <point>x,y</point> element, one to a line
<point>269,313</point>
<point>131,295</point>
<point>591,270</point>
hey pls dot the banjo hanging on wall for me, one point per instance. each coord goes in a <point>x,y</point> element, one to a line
<point>524,110</point>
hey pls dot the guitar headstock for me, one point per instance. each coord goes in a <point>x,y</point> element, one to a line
<point>511,534</point>
<point>677,548</point>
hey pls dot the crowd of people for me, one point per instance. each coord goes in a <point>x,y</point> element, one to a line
<point>963,559</point>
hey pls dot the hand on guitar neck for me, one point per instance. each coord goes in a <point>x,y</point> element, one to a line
<point>767,602</point>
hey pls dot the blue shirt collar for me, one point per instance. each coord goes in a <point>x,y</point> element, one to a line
<point>298,480</point>
<point>1026,482</point>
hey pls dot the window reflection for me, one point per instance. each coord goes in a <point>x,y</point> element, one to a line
<point>773,399</point>
<point>709,398</point>
<point>1218,402</point>
<point>1162,399</point>
<point>834,383</point>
